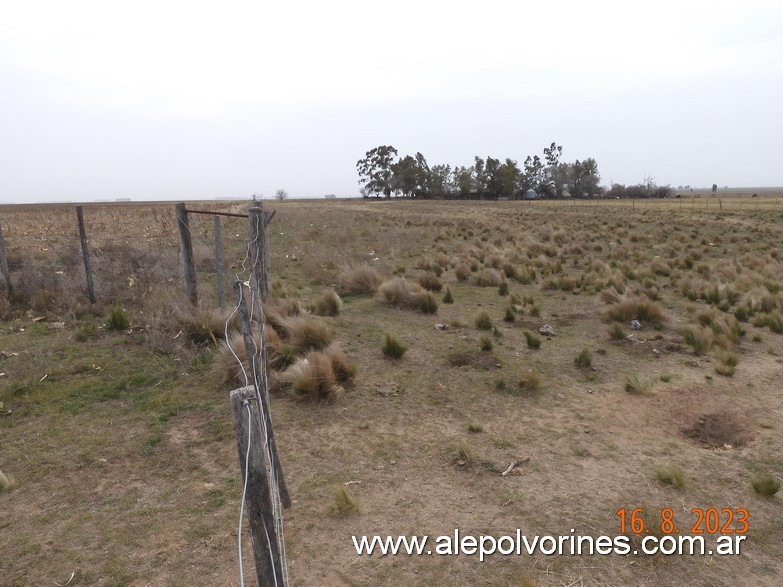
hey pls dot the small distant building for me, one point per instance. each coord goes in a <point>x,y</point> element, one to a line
<point>531,194</point>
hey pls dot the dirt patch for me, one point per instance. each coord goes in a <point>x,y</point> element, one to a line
<point>483,360</point>
<point>721,428</point>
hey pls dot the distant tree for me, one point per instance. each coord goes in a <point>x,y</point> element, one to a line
<point>376,171</point>
<point>585,178</point>
<point>533,175</point>
<point>281,195</point>
<point>409,175</point>
<point>464,180</point>
<point>557,173</point>
<point>440,181</point>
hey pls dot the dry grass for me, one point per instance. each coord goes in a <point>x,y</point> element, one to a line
<point>312,378</point>
<point>344,503</point>
<point>6,482</point>
<point>406,294</point>
<point>636,308</point>
<point>362,280</point>
<point>306,333</point>
<point>177,427</point>
<point>671,475</point>
<point>328,304</point>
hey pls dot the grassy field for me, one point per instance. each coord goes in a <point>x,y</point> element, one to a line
<point>119,454</point>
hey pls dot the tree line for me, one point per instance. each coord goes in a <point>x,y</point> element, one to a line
<point>383,173</point>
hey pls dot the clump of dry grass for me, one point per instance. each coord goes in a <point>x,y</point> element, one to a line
<point>233,356</point>
<point>636,308</point>
<point>765,485</point>
<point>483,321</point>
<point>488,278</point>
<point>359,280</point>
<point>584,358</point>
<point>328,304</point>
<point>671,475</point>
<point>530,383</point>
<point>306,333</point>
<point>430,282</point>
<point>638,384</point>
<point>393,348</point>
<point>6,482</point>
<point>406,294</point>
<point>462,271</point>
<point>725,362</point>
<point>202,324</point>
<point>312,378</point>
<point>344,503</point>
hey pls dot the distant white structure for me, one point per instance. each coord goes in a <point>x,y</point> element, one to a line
<point>531,194</point>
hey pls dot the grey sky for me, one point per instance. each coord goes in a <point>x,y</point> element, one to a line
<point>202,99</point>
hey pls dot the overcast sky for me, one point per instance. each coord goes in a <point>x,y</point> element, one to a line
<point>169,99</point>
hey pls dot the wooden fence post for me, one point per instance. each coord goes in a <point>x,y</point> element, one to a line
<point>218,261</point>
<point>259,265</point>
<point>262,384</point>
<point>85,254</point>
<point>248,425</point>
<point>186,246</point>
<point>4,265</point>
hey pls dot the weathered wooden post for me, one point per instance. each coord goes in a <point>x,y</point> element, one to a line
<point>4,265</point>
<point>218,261</point>
<point>248,424</point>
<point>259,265</point>
<point>258,359</point>
<point>186,246</point>
<point>85,254</point>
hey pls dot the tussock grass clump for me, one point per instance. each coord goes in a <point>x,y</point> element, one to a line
<point>642,309</point>
<point>328,304</point>
<point>312,378</point>
<point>227,365</point>
<point>426,303</point>
<point>725,362</point>
<point>203,325</point>
<point>533,340</point>
<point>85,332</point>
<point>447,297</point>
<point>765,485</point>
<point>6,482</point>
<point>344,503</point>
<point>584,358</point>
<point>359,280</point>
<point>483,321</point>
<point>530,383</point>
<point>393,348</point>
<point>475,428</point>
<point>509,316</point>
<point>486,343</point>
<point>487,278</point>
<point>306,333</point>
<point>503,288</point>
<point>406,294</point>
<point>671,475</point>
<point>118,319</point>
<point>638,384</point>
<point>699,338</point>
<point>430,282</point>
<point>344,371</point>
<point>462,271</point>
<point>772,320</point>
<point>616,332</point>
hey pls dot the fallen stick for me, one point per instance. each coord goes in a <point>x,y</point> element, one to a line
<point>515,464</point>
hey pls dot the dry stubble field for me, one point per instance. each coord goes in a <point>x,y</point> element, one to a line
<point>122,460</point>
